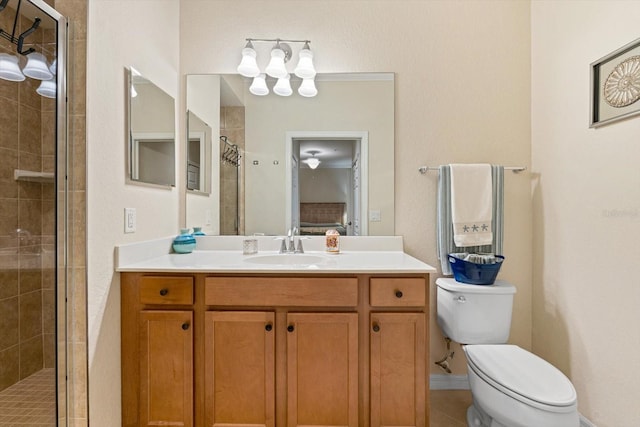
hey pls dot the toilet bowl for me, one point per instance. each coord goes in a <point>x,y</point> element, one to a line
<point>510,386</point>
<point>514,388</point>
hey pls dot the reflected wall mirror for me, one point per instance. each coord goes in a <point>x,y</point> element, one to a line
<point>348,127</point>
<point>151,131</point>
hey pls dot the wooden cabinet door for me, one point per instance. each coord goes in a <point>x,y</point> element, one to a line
<point>239,369</point>
<point>322,364</point>
<point>398,370</point>
<point>166,368</point>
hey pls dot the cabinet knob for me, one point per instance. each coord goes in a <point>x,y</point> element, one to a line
<point>376,327</point>
<point>164,291</point>
<point>398,294</point>
<point>290,328</point>
<point>268,327</point>
<point>185,326</point>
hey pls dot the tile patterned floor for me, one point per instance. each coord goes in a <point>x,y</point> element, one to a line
<point>449,408</point>
<point>31,402</point>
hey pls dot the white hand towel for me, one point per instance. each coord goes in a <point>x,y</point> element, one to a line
<point>471,204</point>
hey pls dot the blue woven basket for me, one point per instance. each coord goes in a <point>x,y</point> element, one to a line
<point>475,274</point>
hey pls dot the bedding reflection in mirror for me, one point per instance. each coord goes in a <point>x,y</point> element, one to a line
<point>151,145</point>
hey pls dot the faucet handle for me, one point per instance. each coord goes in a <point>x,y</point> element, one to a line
<point>283,244</point>
<point>299,248</point>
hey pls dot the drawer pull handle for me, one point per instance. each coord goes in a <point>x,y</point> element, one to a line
<point>164,291</point>
<point>290,328</point>
<point>398,294</point>
<point>268,327</point>
<point>376,327</point>
<point>185,326</point>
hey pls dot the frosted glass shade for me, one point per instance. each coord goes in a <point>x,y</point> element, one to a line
<point>37,67</point>
<point>308,88</point>
<point>276,66</point>
<point>248,66</point>
<point>283,87</point>
<point>312,162</point>
<point>259,85</point>
<point>305,68</point>
<point>9,69</point>
<point>47,88</point>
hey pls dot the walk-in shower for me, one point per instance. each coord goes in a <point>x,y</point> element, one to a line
<point>33,214</point>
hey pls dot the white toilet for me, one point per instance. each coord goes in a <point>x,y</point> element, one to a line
<point>510,386</point>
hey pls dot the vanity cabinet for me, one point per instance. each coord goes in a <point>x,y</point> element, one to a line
<point>274,350</point>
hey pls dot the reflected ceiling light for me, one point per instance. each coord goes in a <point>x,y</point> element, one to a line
<point>312,162</point>
<point>37,67</point>
<point>280,55</point>
<point>9,69</point>
<point>305,68</point>
<point>283,86</point>
<point>308,88</point>
<point>259,85</point>
<point>248,66</point>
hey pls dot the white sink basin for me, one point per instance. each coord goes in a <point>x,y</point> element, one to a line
<point>286,259</point>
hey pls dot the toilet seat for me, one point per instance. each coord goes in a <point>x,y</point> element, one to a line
<point>522,376</point>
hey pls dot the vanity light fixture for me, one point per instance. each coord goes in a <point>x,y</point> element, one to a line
<point>280,55</point>
<point>313,161</point>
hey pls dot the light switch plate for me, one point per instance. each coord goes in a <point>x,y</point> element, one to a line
<point>129,220</point>
<point>374,216</point>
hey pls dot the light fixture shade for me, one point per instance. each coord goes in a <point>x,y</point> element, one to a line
<point>37,67</point>
<point>47,88</point>
<point>9,69</point>
<point>248,66</point>
<point>259,85</point>
<point>308,88</point>
<point>54,66</point>
<point>305,68</point>
<point>313,162</point>
<point>276,66</point>
<point>283,87</point>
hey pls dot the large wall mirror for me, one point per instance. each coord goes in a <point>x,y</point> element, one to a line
<point>278,162</point>
<point>151,142</point>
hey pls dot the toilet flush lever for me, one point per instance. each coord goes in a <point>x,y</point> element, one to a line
<point>461,299</point>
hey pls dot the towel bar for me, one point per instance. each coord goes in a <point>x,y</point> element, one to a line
<point>516,169</point>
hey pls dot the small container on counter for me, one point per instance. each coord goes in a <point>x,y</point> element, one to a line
<point>250,246</point>
<point>197,231</point>
<point>332,238</point>
<point>185,243</point>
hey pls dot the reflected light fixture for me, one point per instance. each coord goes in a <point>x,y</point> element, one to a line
<point>313,161</point>
<point>277,68</point>
<point>283,86</point>
<point>37,67</point>
<point>259,85</point>
<point>9,69</point>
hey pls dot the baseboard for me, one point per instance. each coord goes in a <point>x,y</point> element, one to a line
<point>448,382</point>
<point>584,422</point>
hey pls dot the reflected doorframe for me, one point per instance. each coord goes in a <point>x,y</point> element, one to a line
<point>363,136</point>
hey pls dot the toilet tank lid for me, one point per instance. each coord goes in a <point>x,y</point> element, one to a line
<point>522,373</point>
<point>498,287</point>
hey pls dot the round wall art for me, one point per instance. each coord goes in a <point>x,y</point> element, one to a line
<point>622,87</point>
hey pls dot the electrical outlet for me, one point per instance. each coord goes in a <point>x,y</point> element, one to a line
<point>129,220</point>
<point>374,216</point>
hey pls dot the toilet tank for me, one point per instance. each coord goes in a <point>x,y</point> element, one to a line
<point>475,314</point>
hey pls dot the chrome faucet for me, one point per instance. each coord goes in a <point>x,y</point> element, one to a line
<point>288,245</point>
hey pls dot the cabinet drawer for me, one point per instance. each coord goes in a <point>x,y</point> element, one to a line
<point>397,292</point>
<point>282,291</point>
<point>166,290</point>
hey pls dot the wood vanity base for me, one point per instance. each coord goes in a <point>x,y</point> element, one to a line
<point>274,350</point>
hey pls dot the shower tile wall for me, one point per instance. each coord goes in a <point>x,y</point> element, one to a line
<point>27,224</point>
<point>232,126</point>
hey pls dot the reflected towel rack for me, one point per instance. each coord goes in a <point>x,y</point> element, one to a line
<point>515,169</point>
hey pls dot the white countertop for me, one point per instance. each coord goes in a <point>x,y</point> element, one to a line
<point>223,254</point>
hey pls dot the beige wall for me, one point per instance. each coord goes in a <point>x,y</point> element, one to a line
<point>142,34</point>
<point>586,192</point>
